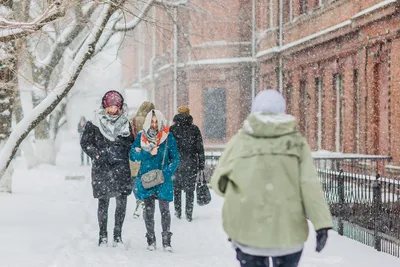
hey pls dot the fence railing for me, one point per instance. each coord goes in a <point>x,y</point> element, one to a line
<point>212,159</point>
<point>363,197</point>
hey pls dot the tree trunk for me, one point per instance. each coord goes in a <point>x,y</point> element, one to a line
<point>43,143</point>
<point>30,121</point>
<point>56,117</point>
<point>24,73</point>
<point>8,81</point>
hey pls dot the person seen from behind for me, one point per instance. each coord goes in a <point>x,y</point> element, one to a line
<point>107,140</point>
<point>156,149</point>
<point>137,126</point>
<point>270,187</point>
<point>191,151</point>
<point>81,128</point>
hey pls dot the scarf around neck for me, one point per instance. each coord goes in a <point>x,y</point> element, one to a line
<point>112,126</point>
<point>152,138</point>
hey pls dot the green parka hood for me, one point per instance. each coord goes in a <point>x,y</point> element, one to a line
<point>269,125</point>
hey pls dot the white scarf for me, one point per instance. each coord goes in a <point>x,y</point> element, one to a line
<point>112,126</point>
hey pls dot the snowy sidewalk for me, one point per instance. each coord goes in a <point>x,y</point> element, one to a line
<point>51,222</point>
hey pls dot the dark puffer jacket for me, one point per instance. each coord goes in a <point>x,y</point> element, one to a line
<point>191,151</point>
<point>111,175</point>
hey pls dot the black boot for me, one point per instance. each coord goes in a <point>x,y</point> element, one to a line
<point>117,239</point>
<point>178,214</point>
<point>151,241</point>
<point>166,240</point>
<point>103,239</point>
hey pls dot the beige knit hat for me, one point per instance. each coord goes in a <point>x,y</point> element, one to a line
<point>184,110</point>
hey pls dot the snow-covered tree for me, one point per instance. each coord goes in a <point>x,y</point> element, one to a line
<point>57,56</point>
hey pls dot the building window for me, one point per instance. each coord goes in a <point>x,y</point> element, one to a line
<point>320,114</point>
<point>302,6</point>
<point>288,97</point>
<point>339,111</point>
<point>214,104</point>
<point>303,108</point>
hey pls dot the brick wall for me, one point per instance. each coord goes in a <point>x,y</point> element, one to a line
<point>364,53</point>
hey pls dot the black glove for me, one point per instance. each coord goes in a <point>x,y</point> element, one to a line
<point>322,237</point>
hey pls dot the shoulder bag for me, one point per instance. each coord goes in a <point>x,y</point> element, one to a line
<point>155,177</point>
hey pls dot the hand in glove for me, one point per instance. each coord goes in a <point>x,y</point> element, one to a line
<point>322,237</point>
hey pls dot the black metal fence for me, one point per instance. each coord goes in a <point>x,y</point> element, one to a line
<point>212,159</point>
<point>363,197</point>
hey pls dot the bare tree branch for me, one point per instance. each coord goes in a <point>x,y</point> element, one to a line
<point>13,29</point>
<point>123,27</point>
<point>107,35</point>
<point>67,37</point>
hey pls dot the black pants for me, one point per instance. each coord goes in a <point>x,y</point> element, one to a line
<point>247,260</point>
<point>150,206</point>
<point>120,211</point>
<point>189,202</point>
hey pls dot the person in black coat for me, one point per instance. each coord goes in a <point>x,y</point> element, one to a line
<point>107,140</point>
<point>191,150</point>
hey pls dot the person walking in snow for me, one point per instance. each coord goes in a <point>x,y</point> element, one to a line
<point>270,186</point>
<point>81,128</point>
<point>156,149</point>
<point>137,126</point>
<point>107,140</point>
<point>191,151</point>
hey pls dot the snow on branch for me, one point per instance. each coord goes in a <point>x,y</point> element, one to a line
<point>108,33</point>
<point>68,35</point>
<point>41,111</point>
<point>14,29</point>
<point>171,3</point>
<point>133,23</point>
<point>118,27</point>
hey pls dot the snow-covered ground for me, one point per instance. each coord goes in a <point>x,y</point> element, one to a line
<point>51,222</point>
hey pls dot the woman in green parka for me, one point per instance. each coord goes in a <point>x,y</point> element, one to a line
<point>270,186</point>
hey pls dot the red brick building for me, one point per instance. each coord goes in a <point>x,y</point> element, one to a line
<point>336,62</point>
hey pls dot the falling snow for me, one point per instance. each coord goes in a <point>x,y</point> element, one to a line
<point>336,63</point>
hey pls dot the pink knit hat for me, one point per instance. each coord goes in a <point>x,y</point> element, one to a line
<point>113,98</point>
